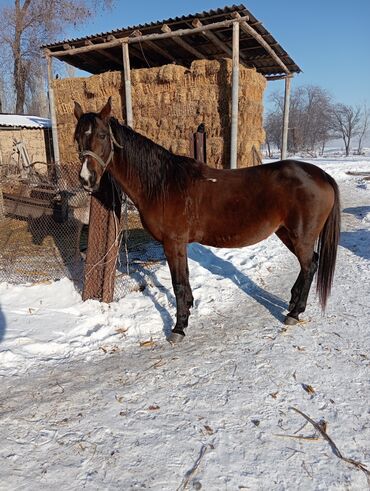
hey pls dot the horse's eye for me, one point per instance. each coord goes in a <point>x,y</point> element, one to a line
<point>102,136</point>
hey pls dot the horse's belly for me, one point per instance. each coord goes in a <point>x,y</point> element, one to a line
<point>247,235</point>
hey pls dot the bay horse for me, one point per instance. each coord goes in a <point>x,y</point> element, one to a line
<point>181,200</point>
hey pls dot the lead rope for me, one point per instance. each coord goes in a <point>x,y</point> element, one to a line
<point>126,233</point>
<point>125,209</point>
<point>115,189</point>
<point>124,226</point>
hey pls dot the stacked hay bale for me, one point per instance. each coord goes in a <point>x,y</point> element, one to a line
<point>169,103</point>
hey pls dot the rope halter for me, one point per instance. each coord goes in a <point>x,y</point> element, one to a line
<point>113,142</point>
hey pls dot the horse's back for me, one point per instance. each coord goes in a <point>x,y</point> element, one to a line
<point>244,206</point>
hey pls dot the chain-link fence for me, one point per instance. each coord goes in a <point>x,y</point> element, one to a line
<point>44,216</point>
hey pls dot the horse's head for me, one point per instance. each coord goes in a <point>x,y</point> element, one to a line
<point>95,144</point>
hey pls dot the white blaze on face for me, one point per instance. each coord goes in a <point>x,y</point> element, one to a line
<point>85,173</point>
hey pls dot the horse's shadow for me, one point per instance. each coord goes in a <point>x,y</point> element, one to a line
<point>208,260</point>
<point>357,241</point>
<point>358,211</point>
<point>2,325</point>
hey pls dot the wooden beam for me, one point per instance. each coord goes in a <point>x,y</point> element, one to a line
<point>155,47</point>
<point>234,99</point>
<point>53,117</point>
<point>217,41</point>
<point>249,30</point>
<point>274,77</point>
<point>138,53</point>
<point>183,44</point>
<point>145,37</point>
<point>213,38</point>
<point>104,53</point>
<point>127,74</point>
<point>133,51</point>
<point>252,48</point>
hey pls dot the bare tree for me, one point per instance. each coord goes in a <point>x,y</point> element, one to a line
<point>318,109</point>
<point>309,118</point>
<point>364,127</point>
<point>273,131</point>
<point>28,24</point>
<point>346,123</point>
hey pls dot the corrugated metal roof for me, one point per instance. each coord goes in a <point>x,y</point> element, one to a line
<point>190,17</point>
<point>163,51</point>
<point>21,121</point>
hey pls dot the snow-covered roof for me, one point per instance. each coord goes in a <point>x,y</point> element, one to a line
<point>21,121</point>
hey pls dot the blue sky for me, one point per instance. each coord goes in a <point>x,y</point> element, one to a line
<point>328,39</point>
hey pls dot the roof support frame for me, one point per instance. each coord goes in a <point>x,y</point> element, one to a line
<point>183,44</point>
<point>154,47</point>
<point>105,53</point>
<point>238,22</point>
<point>249,30</point>
<point>143,38</point>
<point>213,38</point>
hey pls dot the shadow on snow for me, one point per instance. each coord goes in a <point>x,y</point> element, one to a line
<point>2,325</point>
<point>357,241</point>
<point>208,260</point>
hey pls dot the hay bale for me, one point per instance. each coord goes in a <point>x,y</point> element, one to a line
<point>169,102</point>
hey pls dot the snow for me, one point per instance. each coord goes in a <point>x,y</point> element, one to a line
<point>93,396</point>
<point>16,120</point>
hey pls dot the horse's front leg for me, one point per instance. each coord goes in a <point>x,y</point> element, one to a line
<point>176,254</point>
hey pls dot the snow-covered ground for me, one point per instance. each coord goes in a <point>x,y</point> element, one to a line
<point>92,395</point>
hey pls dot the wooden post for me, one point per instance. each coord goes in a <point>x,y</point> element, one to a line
<point>234,98</point>
<point>284,140</point>
<point>127,74</point>
<point>198,144</point>
<point>53,116</point>
<point>103,243</point>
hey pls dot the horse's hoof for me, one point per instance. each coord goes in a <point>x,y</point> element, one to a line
<point>175,337</point>
<point>290,321</point>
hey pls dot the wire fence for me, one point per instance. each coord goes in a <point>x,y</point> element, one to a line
<point>44,217</point>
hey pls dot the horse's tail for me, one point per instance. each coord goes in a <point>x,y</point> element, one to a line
<point>327,247</point>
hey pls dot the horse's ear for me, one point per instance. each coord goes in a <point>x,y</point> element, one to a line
<point>105,112</point>
<point>78,110</point>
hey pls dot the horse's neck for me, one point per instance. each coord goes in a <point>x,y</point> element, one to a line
<point>128,169</point>
<point>127,184</point>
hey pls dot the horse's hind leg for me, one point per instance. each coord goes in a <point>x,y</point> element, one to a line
<point>176,255</point>
<point>309,262</point>
<point>283,235</point>
<point>189,293</point>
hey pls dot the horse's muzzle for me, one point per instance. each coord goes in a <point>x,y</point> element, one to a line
<point>89,184</point>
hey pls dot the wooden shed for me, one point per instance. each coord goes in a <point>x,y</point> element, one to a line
<point>174,69</point>
<point>166,78</point>
<point>24,138</point>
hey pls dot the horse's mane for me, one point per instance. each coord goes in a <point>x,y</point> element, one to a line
<point>158,169</point>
